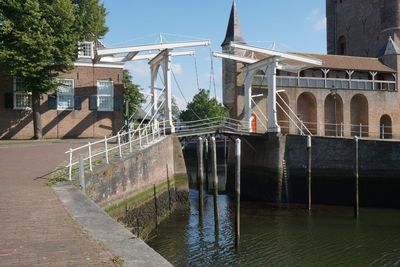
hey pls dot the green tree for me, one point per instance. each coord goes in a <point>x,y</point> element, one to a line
<point>203,107</point>
<point>132,93</point>
<point>161,104</point>
<point>39,39</point>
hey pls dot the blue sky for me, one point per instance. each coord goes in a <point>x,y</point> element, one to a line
<point>294,25</point>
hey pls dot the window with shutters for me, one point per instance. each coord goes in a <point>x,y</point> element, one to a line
<point>65,95</point>
<point>105,94</point>
<point>86,50</point>
<point>22,98</point>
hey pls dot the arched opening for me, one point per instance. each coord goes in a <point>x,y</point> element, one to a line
<point>307,111</point>
<point>359,116</point>
<point>282,109</point>
<point>342,46</point>
<point>333,115</point>
<point>386,127</point>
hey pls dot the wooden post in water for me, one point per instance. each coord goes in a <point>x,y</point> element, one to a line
<point>309,181</point>
<point>237,190</point>
<point>214,176</point>
<point>200,174</point>
<point>356,178</point>
<point>206,162</point>
<point>169,191</point>
<point>155,206</point>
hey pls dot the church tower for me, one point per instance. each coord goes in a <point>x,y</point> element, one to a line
<point>230,68</point>
<point>362,27</point>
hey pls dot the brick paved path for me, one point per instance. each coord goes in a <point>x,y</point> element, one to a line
<point>35,229</point>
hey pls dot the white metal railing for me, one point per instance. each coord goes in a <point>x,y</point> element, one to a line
<point>210,125</point>
<point>339,129</point>
<point>329,83</point>
<point>115,146</point>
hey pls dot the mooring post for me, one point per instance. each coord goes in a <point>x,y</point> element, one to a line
<point>169,191</point>
<point>106,149</point>
<point>215,179</point>
<point>237,189</point>
<point>81,173</point>
<point>155,206</point>
<point>309,153</point>
<point>200,174</point>
<point>356,178</point>
<point>206,162</point>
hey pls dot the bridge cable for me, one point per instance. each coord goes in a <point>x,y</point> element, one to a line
<point>197,72</point>
<point>184,98</point>
<point>212,75</point>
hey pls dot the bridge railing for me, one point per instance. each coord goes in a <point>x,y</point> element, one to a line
<point>109,148</point>
<point>209,125</point>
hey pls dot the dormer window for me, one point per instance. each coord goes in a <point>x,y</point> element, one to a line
<point>86,50</point>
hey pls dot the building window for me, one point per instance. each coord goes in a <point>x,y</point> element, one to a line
<point>86,50</point>
<point>105,93</point>
<point>65,95</point>
<point>22,98</point>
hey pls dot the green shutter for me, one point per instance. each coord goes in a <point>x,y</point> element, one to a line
<point>9,100</point>
<point>77,102</point>
<point>52,102</point>
<point>117,103</point>
<point>93,102</point>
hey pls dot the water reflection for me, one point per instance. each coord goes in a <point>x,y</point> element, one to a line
<point>273,236</point>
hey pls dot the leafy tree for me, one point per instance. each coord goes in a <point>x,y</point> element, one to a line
<point>132,93</point>
<point>203,107</point>
<point>161,104</point>
<point>39,39</point>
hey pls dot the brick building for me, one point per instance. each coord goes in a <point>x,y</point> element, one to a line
<point>353,92</point>
<point>88,104</point>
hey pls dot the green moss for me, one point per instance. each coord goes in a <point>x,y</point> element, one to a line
<point>146,194</point>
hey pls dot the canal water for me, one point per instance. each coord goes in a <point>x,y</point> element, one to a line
<point>273,235</point>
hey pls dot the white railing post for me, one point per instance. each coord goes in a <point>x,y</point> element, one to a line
<point>106,149</point>
<point>152,131</point>
<point>360,130</point>
<point>130,141</point>
<point>140,137</point>
<point>158,129</point>
<point>341,129</point>
<point>164,127</point>
<point>147,136</point>
<point>119,145</point>
<point>90,156</point>
<point>70,165</point>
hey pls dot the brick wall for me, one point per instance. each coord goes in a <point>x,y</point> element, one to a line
<point>17,124</point>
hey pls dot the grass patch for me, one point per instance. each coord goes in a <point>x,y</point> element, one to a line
<point>118,260</point>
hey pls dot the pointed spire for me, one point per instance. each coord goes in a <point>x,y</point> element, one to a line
<point>392,48</point>
<point>233,33</point>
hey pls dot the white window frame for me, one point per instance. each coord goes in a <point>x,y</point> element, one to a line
<point>111,96</point>
<point>69,94</point>
<point>17,93</point>
<point>81,53</point>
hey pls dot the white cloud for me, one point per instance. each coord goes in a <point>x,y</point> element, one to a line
<point>317,19</point>
<point>320,25</point>
<point>177,69</point>
<point>138,68</point>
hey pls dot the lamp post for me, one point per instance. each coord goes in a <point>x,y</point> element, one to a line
<point>334,95</point>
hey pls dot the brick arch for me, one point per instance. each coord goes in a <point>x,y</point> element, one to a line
<point>385,127</point>
<point>307,111</point>
<point>359,115</point>
<point>282,108</point>
<point>333,110</point>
